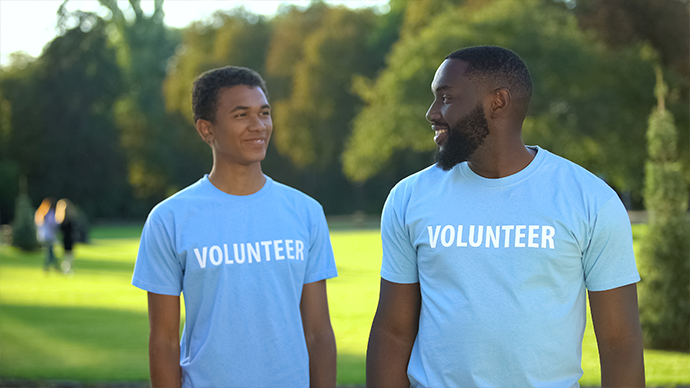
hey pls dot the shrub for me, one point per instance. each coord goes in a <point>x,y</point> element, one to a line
<point>23,226</point>
<point>665,264</point>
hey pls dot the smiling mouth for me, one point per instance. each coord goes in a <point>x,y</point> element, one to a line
<point>256,143</point>
<point>440,135</point>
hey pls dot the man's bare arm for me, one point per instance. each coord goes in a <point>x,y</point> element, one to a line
<point>319,335</point>
<point>617,326</point>
<point>393,333</point>
<point>164,341</point>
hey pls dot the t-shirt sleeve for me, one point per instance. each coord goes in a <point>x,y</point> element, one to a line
<point>609,259</point>
<point>157,268</point>
<point>399,262</point>
<point>321,261</point>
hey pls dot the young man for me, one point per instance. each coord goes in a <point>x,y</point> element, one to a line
<point>487,254</point>
<point>250,255</point>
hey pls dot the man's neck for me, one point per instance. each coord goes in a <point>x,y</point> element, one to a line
<point>502,160</point>
<point>237,179</point>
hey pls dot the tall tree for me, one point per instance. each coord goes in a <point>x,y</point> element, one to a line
<point>665,263</point>
<point>664,23</point>
<point>319,49</point>
<point>63,104</point>
<point>9,172</point>
<point>313,122</point>
<point>665,26</point>
<point>152,138</point>
<point>583,105</point>
<point>291,27</point>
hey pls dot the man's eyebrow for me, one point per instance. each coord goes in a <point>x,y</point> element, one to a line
<point>241,107</point>
<point>442,88</point>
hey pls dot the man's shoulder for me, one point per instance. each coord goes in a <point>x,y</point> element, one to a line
<point>575,182</point>
<point>414,185</point>
<point>294,195</point>
<point>574,171</point>
<point>419,177</point>
<point>181,199</point>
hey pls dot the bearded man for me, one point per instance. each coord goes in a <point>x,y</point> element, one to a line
<point>488,255</point>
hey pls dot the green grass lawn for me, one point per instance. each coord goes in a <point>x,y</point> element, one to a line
<point>93,326</point>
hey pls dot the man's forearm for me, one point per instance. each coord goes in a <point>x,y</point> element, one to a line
<point>617,326</point>
<point>387,360</point>
<point>322,359</point>
<point>393,334</point>
<point>622,365</point>
<point>164,364</point>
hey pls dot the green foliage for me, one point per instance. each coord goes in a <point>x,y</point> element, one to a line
<point>291,27</point>
<point>664,22</point>
<point>8,168</point>
<point>5,120</point>
<point>578,86</point>
<point>661,23</point>
<point>665,290</point>
<point>62,104</point>
<point>419,14</point>
<point>314,121</point>
<point>103,115</point>
<point>23,226</point>
<point>154,142</point>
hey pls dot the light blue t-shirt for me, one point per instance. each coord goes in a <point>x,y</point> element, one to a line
<point>503,266</point>
<point>241,263</point>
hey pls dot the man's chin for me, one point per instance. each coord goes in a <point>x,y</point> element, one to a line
<point>443,162</point>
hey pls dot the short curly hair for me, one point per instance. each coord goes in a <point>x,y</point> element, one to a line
<point>493,66</point>
<point>207,85</point>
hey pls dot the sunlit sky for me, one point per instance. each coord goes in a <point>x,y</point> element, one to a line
<point>27,25</point>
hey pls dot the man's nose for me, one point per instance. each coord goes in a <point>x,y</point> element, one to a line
<point>257,124</point>
<point>433,113</point>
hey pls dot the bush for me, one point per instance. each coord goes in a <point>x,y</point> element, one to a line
<point>23,226</point>
<point>665,264</point>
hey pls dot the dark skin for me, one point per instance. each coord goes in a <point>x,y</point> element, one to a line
<point>392,335</point>
<point>164,341</point>
<point>238,137</point>
<point>503,152</point>
<point>616,322</point>
<point>318,333</point>
<point>614,312</point>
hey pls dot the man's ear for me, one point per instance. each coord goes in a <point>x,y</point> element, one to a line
<point>500,102</point>
<point>205,130</point>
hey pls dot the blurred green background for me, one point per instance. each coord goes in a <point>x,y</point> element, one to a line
<point>103,115</point>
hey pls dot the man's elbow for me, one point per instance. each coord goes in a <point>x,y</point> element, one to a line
<point>322,336</point>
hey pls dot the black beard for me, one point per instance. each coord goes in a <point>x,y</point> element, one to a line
<point>463,139</point>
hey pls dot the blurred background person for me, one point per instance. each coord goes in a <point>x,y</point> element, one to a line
<point>46,228</point>
<point>66,217</point>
